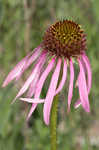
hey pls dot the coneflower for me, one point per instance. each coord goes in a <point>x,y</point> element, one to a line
<point>63,43</point>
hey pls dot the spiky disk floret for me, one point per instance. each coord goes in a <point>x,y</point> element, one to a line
<point>65,38</point>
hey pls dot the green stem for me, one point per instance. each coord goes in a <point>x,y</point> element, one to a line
<point>53,118</point>
<point>53,123</point>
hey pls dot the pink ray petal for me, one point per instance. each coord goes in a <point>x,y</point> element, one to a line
<point>78,103</point>
<point>62,82</point>
<point>16,71</point>
<point>88,68</point>
<point>83,88</point>
<point>31,77</point>
<point>34,82</point>
<point>84,67</point>
<point>32,87</point>
<point>40,85</point>
<point>70,92</point>
<point>21,66</point>
<point>35,54</point>
<point>44,76</point>
<point>28,82</point>
<point>32,100</point>
<point>51,93</point>
<point>33,107</point>
<point>89,75</point>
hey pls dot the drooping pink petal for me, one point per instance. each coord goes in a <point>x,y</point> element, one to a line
<point>83,88</point>
<point>31,77</point>
<point>84,67</point>
<point>62,82</point>
<point>16,71</point>
<point>88,68</point>
<point>21,66</point>
<point>40,85</point>
<point>44,76</point>
<point>78,103</point>
<point>32,100</point>
<point>33,84</point>
<point>89,76</point>
<point>32,87</point>
<point>28,82</point>
<point>36,52</point>
<point>51,93</point>
<point>70,92</point>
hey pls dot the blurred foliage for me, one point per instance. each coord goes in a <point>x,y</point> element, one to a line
<point>22,25</point>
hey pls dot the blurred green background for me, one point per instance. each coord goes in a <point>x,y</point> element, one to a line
<point>22,25</point>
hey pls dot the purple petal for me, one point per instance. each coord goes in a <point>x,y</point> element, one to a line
<point>70,92</point>
<point>83,88</point>
<point>40,84</point>
<point>62,82</point>
<point>32,100</point>
<point>51,93</point>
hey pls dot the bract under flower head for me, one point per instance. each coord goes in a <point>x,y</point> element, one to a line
<point>65,38</point>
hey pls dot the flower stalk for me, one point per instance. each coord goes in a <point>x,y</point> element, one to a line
<point>53,123</point>
<point>53,117</point>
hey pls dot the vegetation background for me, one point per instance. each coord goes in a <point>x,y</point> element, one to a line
<point>22,26</point>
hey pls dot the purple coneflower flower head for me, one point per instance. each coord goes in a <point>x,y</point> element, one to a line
<point>63,43</point>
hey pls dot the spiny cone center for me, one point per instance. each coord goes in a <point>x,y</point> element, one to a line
<point>65,38</point>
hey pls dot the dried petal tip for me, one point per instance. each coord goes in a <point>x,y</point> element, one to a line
<point>65,38</point>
